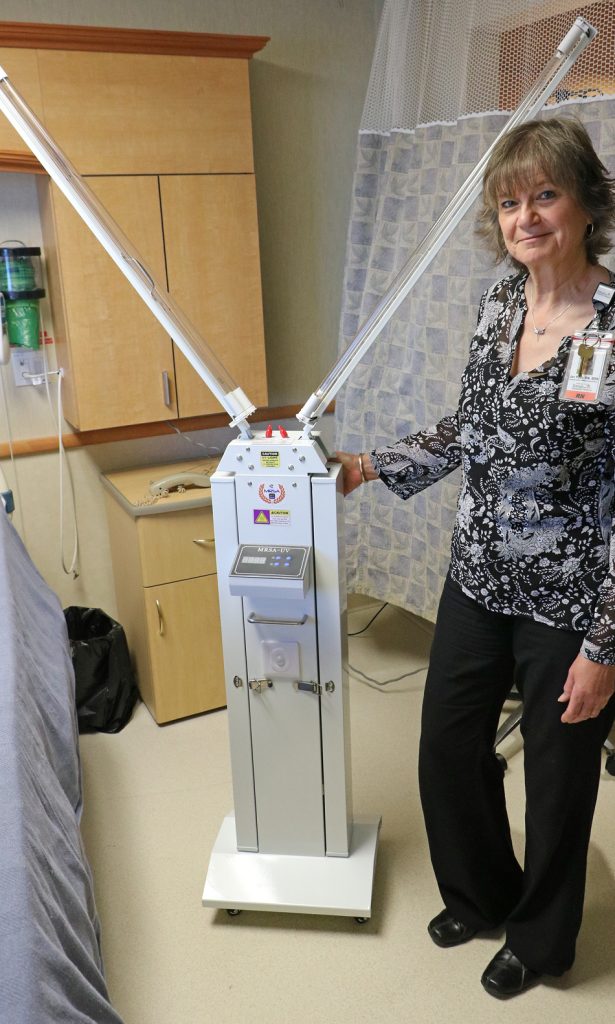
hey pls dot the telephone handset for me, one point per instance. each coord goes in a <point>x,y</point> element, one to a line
<point>178,481</point>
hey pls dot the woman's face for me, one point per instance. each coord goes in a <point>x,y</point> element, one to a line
<point>542,224</point>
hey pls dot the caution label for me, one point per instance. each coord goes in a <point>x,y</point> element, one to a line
<point>270,460</point>
<point>261,516</point>
<point>279,517</point>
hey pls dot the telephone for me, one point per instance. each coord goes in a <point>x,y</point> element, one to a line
<point>176,481</point>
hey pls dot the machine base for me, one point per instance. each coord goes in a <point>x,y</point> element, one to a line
<point>340,886</point>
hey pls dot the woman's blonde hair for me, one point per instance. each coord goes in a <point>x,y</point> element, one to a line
<point>560,150</point>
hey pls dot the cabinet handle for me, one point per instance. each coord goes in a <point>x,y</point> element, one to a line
<point>166,389</point>
<point>203,541</point>
<point>160,619</point>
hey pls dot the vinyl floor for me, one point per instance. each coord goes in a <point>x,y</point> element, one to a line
<point>154,801</point>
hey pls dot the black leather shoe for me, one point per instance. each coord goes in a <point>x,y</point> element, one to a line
<point>445,930</point>
<point>506,976</point>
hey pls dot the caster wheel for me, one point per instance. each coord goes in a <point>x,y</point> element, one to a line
<point>503,763</point>
<point>361,920</point>
<point>233,913</point>
<point>610,764</point>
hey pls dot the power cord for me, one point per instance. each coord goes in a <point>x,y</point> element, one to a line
<point>18,503</point>
<point>211,449</point>
<point>373,619</point>
<point>73,568</point>
<point>378,684</point>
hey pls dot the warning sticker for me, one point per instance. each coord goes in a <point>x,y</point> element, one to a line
<point>279,517</point>
<point>261,516</point>
<point>270,460</point>
<point>271,493</point>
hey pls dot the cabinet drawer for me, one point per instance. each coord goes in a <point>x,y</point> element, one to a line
<point>176,545</point>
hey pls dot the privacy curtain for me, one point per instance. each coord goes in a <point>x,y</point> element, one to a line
<point>443,83</point>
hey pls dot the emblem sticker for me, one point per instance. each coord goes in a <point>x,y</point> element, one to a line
<point>271,493</point>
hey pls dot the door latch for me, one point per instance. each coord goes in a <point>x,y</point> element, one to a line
<point>306,686</point>
<point>258,685</point>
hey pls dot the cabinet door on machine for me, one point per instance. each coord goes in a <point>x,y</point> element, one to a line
<point>285,726</point>
<point>120,359</point>
<point>183,625</point>
<point>213,265</point>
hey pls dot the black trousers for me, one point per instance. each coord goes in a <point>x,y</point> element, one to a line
<point>476,657</point>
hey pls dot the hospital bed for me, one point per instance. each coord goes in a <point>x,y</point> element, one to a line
<point>50,962</point>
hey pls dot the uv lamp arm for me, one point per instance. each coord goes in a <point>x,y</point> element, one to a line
<point>122,252</point>
<point>570,48</point>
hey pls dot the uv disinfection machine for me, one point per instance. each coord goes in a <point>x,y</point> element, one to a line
<point>293,842</point>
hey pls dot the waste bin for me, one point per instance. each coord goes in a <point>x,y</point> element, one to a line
<point>106,690</point>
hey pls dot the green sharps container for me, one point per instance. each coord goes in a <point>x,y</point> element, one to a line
<point>20,283</point>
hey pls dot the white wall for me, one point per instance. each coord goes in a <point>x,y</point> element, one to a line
<point>308,87</point>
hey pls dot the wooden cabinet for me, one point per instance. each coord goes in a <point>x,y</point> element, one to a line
<point>165,142</point>
<point>199,235</point>
<point>21,65</point>
<point>130,113</point>
<point>213,267</point>
<point>115,355</point>
<point>167,595</point>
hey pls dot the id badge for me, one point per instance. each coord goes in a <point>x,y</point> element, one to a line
<point>587,366</point>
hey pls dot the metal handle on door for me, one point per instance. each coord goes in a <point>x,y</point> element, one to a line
<point>257,620</point>
<point>203,541</point>
<point>166,389</point>
<point>160,619</point>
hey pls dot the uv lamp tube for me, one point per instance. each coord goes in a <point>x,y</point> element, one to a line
<point>570,48</point>
<point>122,252</point>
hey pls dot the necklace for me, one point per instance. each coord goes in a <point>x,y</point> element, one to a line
<point>539,331</point>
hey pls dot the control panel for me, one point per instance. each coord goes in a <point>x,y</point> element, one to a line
<point>271,570</point>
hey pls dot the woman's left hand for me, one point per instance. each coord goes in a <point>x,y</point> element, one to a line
<point>587,690</point>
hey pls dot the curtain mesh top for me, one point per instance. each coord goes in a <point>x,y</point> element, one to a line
<point>438,60</point>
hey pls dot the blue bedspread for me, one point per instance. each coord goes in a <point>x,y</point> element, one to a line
<point>50,963</point>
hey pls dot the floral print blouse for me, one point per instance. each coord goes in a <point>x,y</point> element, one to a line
<point>533,533</point>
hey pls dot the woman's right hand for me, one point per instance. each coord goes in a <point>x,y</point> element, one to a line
<point>351,470</point>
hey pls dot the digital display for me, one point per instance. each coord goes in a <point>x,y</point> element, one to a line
<point>271,560</point>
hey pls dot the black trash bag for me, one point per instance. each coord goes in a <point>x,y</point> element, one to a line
<point>106,690</point>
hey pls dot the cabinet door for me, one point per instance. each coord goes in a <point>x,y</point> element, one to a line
<point>118,352</point>
<point>21,67</point>
<point>130,113</point>
<point>213,266</point>
<point>183,625</point>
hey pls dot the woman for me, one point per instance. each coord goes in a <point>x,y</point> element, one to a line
<point>530,594</point>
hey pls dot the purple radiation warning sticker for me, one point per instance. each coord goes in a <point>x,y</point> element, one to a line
<point>261,516</point>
